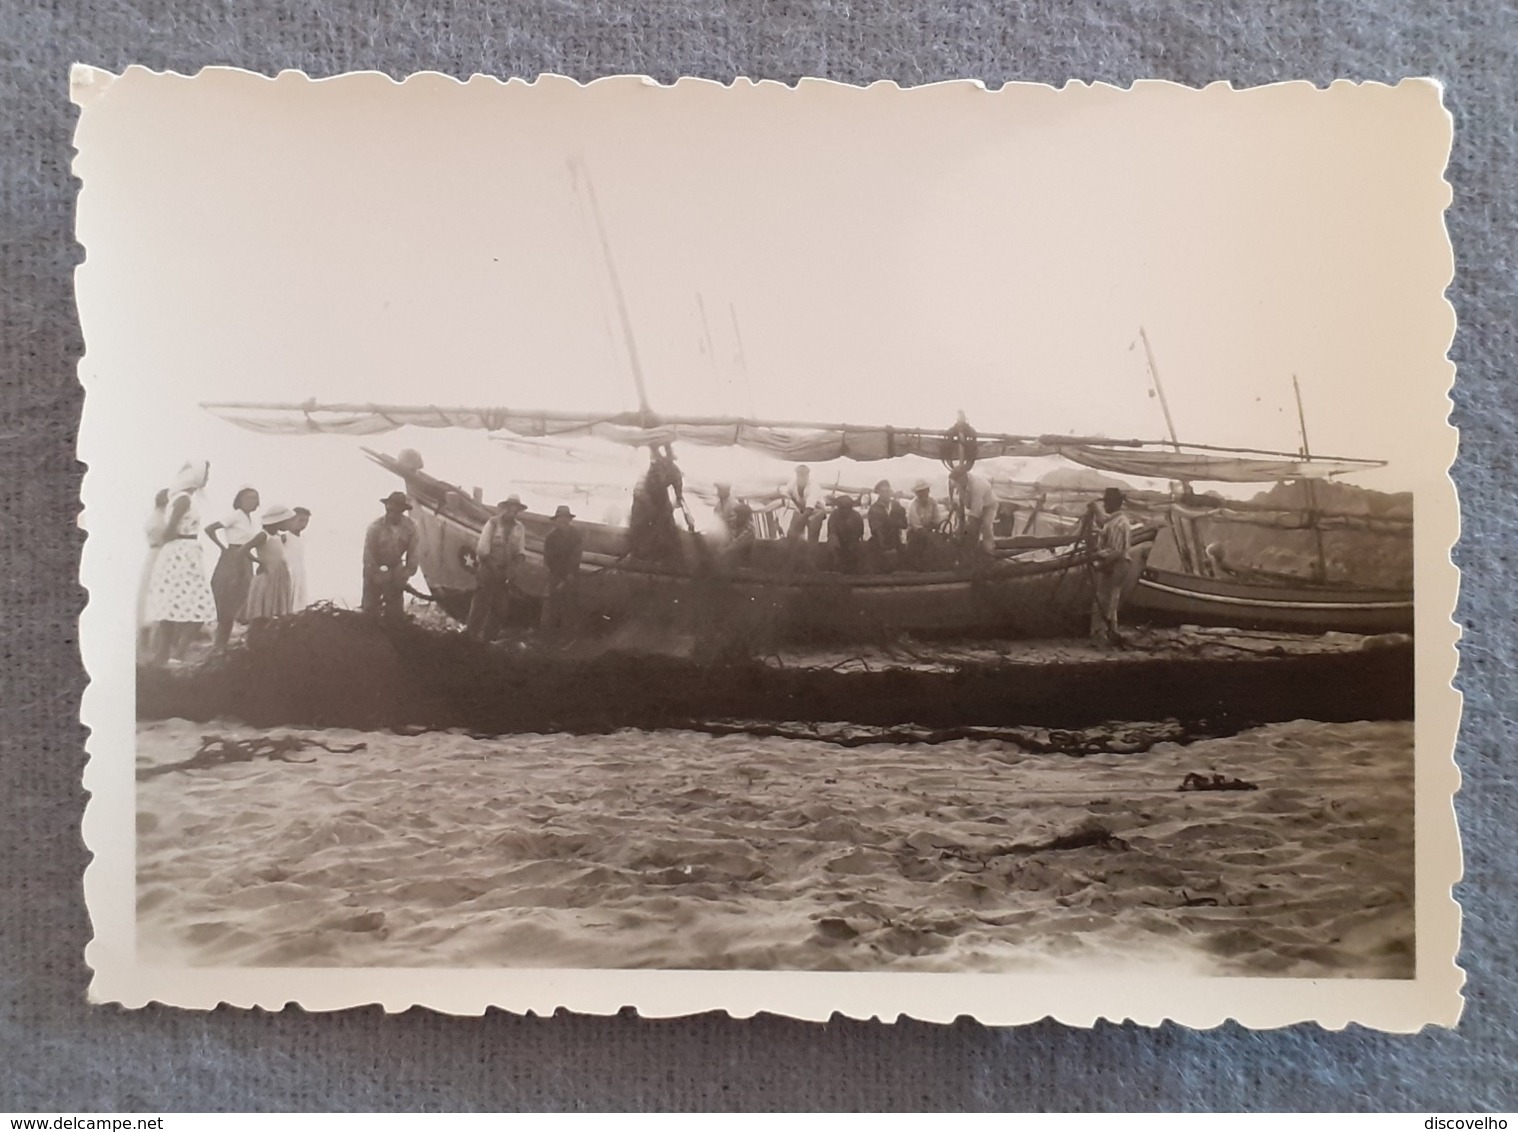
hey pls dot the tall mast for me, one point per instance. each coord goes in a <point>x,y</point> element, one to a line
<point>706,337</point>
<point>748,390</point>
<point>1154,376</point>
<point>1320,567</point>
<point>1191,551</point>
<point>580,175</point>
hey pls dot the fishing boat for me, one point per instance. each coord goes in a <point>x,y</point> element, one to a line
<point>1168,597</point>
<point>1048,595</point>
<point>1183,583</point>
<point>1034,586</point>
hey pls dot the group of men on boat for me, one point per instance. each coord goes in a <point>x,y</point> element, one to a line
<point>826,532</point>
<point>887,537</point>
<point>897,536</point>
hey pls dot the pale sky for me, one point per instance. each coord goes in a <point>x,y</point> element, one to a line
<point>891,256</point>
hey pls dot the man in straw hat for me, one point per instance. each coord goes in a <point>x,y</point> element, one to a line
<point>497,554</point>
<point>562,547</point>
<point>390,547</point>
<point>924,516</point>
<point>924,513</point>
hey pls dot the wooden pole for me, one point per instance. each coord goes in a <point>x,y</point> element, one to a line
<point>1320,566</point>
<point>1154,376</point>
<point>706,337</point>
<point>438,418</point>
<point>1191,553</point>
<point>581,174</point>
<point>748,389</point>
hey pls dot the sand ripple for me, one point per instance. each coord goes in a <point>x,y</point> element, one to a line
<point>671,849</point>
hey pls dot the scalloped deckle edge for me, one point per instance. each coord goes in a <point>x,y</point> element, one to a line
<point>1137,994</point>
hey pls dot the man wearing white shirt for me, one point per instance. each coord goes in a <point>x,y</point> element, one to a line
<point>923,513</point>
<point>501,545</point>
<point>806,501</point>
<point>979,499</point>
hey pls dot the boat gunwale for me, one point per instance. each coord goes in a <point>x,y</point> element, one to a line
<point>999,572</point>
<point>1307,594</point>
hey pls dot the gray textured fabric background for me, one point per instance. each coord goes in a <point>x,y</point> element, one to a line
<point>58,1054</point>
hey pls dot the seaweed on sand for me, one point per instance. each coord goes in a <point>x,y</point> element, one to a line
<point>217,750</point>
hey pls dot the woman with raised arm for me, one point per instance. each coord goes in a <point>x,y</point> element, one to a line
<point>179,600</point>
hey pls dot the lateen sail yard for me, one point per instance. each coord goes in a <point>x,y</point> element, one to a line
<point>1032,586</point>
<point>800,441</point>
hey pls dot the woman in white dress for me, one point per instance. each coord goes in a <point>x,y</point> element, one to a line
<point>271,594</point>
<point>179,600</point>
<point>233,576</point>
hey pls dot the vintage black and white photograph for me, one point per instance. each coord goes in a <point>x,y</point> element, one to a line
<point>659,531</point>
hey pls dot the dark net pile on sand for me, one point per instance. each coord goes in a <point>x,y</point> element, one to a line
<point>328,667</point>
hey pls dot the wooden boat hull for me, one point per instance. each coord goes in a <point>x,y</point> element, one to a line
<point>999,598</point>
<point>1165,597</point>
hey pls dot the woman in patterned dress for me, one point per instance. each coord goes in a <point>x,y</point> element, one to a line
<point>179,599</point>
<point>272,593</point>
<point>233,576</point>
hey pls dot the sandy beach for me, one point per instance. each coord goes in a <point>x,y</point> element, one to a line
<point>681,850</point>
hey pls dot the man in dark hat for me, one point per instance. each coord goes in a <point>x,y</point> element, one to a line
<point>888,525</point>
<point>498,552</point>
<point>1109,568</point>
<point>846,533</point>
<point>390,547</point>
<point>562,547</point>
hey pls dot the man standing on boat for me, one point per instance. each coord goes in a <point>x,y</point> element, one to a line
<point>888,525</point>
<point>651,531</point>
<point>497,553</point>
<point>846,534</point>
<point>562,548</point>
<point>924,517</point>
<point>978,498</point>
<point>390,547</point>
<point>923,514</point>
<point>1109,568</point>
<point>726,508</point>
<point>806,501</point>
<point>740,550</point>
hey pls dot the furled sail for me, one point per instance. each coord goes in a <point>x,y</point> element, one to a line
<point>1287,520</point>
<point>793,440</point>
<point>1241,468</point>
